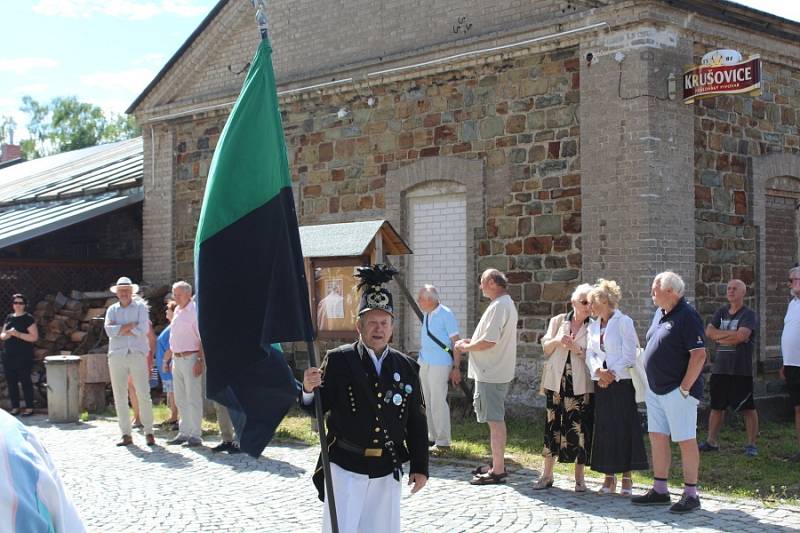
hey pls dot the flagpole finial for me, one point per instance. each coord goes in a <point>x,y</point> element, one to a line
<point>261,18</point>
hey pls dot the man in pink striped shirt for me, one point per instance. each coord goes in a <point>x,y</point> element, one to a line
<point>186,355</point>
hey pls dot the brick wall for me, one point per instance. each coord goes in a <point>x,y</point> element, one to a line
<point>781,248</point>
<point>636,164</point>
<point>730,132</point>
<point>438,237</point>
<point>158,255</point>
<point>310,40</point>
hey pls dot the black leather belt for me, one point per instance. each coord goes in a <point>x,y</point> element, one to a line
<point>360,450</point>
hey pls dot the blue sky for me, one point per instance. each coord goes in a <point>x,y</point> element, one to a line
<point>106,51</point>
<point>102,51</point>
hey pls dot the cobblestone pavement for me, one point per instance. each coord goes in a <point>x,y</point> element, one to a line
<point>177,489</point>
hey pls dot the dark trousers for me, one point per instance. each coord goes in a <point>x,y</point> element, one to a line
<point>16,376</point>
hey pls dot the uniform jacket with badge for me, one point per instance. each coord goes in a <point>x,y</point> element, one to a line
<point>366,409</point>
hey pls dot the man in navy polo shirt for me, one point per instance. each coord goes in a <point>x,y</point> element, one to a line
<point>674,359</point>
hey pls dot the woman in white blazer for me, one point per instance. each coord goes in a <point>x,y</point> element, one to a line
<point>568,387</point>
<point>611,346</point>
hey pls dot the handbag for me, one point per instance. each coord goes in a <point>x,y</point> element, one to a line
<point>638,374</point>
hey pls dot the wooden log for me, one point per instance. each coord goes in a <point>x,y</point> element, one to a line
<point>94,312</point>
<point>60,301</point>
<point>52,337</point>
<point>93,397</point>
<point>73,305</point>
<point>56,326</point>
<point>78,336</point>
<point>94,368</point>
<point>98,295</point>
<point>40,353</point>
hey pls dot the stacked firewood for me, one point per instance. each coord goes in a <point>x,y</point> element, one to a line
<point>74,323</point>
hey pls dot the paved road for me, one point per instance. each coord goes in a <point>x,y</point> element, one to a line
<point>182,489</point>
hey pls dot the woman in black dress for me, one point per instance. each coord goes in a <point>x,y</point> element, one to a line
<point>18,335</point>
<point>618,445</point>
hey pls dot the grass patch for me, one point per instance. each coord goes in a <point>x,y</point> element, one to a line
<point>728,472</point>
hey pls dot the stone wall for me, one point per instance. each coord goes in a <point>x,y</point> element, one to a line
<point>519,117</point>
<point>730,133</point>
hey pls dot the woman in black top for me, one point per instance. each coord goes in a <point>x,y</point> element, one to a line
<point>19,333</point>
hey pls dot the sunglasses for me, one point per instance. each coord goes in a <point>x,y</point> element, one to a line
<point>792,280</point>
<point>19,303</point>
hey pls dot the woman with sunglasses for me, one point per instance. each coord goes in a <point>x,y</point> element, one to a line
<point>618,445</point>
<point>18,335</point>
<point>568,387</point>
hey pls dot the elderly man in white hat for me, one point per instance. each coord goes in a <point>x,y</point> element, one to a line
<point>127,324</point>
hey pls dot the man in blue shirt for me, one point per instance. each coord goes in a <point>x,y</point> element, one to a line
<point>673,359</point>
<point>439,327</point>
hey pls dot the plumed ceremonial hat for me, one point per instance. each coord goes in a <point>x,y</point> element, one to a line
<point>374,295</point>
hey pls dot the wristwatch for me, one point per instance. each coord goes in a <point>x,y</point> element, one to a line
<point>684,392</point>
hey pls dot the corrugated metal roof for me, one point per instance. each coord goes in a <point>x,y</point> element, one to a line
<point>88,171</point>
<point>51,193</point>
<point>348,239</point>
<point>33,220</point>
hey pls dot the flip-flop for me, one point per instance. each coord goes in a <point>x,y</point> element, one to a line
<point>490,478</point>
<point>481,469</point>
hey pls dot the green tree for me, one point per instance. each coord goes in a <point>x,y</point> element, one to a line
<point>68,124</point>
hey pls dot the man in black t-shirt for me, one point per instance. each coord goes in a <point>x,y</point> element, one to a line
<point>733,329</point>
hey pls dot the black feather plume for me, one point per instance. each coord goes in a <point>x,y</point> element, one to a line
<point>375,274</point>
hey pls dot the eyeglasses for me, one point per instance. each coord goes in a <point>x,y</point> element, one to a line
<point>19,303</point>
<point>792,280</point>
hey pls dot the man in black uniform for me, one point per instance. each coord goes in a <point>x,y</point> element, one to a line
<point>377,417</point>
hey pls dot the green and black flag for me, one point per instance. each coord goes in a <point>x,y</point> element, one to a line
<point>251,285</point>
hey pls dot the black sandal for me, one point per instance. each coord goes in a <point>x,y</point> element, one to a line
<point>489,478</point>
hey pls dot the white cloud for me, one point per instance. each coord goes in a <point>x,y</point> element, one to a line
<point>124,9</point>
<point>32,88</point>
<point>22,65</point>
<point>128,81</point>
<point>153,59</point>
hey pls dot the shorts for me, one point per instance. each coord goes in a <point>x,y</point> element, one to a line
<point>672,414</point>
<point>792,374</point>
<point>489,401</point>
<point>167,387</point>
<point>731,391</point>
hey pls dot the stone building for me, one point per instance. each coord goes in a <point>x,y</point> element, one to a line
<point>547,138</point>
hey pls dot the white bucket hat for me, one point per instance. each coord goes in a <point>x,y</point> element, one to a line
<point>124,282</point>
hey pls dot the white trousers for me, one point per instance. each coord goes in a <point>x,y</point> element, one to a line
<point>434,389</point>
<point>363,505</point>
<point>135,365</point>
<point>225,422</point>
<point>188,390</point>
